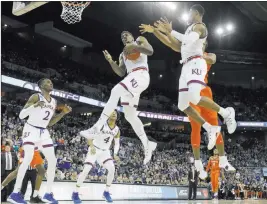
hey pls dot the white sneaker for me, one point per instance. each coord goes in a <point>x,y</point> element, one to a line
<point>225,164</point>
<point>202,173</point>
<point>149,150</point>
<point>230,120</point>
<point>213,133</point>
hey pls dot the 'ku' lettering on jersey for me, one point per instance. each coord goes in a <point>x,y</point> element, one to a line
<point>40,117</point>
<point>132,64</point>
<point>213,164</point>
<point>193,49</point>
<point>106,136</point>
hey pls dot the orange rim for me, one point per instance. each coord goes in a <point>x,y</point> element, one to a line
<point>72,4</point>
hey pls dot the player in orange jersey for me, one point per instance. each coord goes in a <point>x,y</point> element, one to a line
<point>210,116</point>
<point>214,168</point>
<point>36,163</point>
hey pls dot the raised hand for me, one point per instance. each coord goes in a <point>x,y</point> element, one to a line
<point>107,56</point>
<point>146,28</point>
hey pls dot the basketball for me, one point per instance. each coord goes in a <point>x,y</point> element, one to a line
<point>133,56</point>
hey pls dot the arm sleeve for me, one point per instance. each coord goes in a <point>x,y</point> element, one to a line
<point>177,35</point>
<point>191,38</point>
<point>116,146</point>
<point>25,112</point>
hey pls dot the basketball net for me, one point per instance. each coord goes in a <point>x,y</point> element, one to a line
<point>72,11</point>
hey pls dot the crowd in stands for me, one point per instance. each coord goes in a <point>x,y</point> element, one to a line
<point>169,166</point>
<point>250,104</point>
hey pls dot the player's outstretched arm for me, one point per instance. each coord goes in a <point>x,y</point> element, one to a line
<point>32,103</point>
<point>56,118</point>
<point>120,69</point>
<point>176,46</point>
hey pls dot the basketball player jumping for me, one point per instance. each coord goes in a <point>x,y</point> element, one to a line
<point>208,115</point>
<point>192,79</point>
<point>99,151</point>
<point>130,88</point>
<point>40,110</point>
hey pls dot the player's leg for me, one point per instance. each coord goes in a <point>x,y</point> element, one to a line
<point>195,81</point>
<point>195,143</point>
<point>38,182</point>
<point>132,85</point>
<point>212,118</point>
<point>88,165</point>
<point>130,114</point>
<point>118,90</point>
<point>106,160</point>
<point>49,153</point>
<point>184,105</point>
<point>30,135</point>
<point>216,185</point>
<point>9,178</point>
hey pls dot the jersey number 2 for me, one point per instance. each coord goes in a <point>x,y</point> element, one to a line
<point>107,139</point>
<point>46,117</point>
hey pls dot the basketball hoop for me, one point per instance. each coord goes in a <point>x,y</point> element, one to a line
<point>72,11</point>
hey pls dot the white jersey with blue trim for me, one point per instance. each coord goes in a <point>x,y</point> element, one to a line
<point>40,117</point>
<point>195,48</point>
<point>132,64</point>
<point>104,139</point>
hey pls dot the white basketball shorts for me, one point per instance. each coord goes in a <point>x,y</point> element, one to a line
<point>39,137</point>
<point>135,83</point>
<point>193,71</point>
<point>101,156</point>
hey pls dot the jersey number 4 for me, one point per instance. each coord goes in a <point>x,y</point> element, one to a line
<point>47,115</point>
<point>107,139</point>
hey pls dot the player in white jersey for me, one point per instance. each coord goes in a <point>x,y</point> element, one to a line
<point>99,146</point>
<point>193,73</point>
<point>40,110</point>
<point>130,88</point>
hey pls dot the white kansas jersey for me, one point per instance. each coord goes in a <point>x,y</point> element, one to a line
<point>105,137</point>
<point>40,117</point>
<point>132,64</point>
<point>193,49</point>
